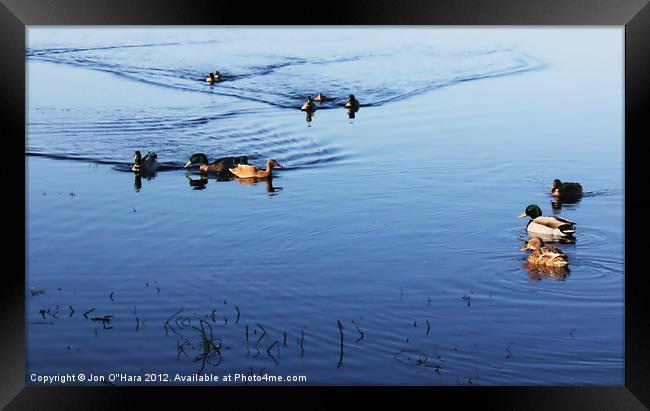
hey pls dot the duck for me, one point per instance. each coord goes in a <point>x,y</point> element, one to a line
<point>146,164</point>
<point>320,97</point>
<point>566,190</point>
<point>352,103</point>
<point>543,255</point>
<point>217,75</point>
<point>552,227</point>
<point>211,78</point>
<point>219,166</point>
<point>247,171</point>
<point>309,105</point>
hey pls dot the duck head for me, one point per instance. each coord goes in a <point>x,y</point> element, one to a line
<point>196,159</point>
<point>557,184</point>
<point>137,158</point>
<point>273,163</point>
<point>533,211</point>
<point>534,243</point>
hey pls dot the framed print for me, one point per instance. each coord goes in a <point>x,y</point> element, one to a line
<point>213,201</point>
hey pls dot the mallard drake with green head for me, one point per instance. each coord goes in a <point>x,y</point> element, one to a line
<point>566,190</point>
<point>552,227</point>
<point>247,171</point>
<point>218,166</point>
<point>543,255</point>
<point>146,164</point>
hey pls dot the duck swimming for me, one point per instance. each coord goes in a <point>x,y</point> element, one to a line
<point>566,191</point>
<point>211,78</point>
<point>320,97</point>
<point>246,171</point>
<point>551,227</point>
<point>219,166</point>
<point>545,256</point>
<point>146,164</point>
<point>309,105</point>
<point>352,103</point>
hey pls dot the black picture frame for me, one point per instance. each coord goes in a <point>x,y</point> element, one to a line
<point>15,15</point>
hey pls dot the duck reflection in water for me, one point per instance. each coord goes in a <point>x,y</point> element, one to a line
<point>137,183</point>
<point>538,273</point>
<point>252,181</point>
<point>198,184</point>
<point>557,203</point>
<point>309,116</point>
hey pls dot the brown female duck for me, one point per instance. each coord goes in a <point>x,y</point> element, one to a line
<point>545,256</point>
<point>566,190</point>
<point>247,171</point>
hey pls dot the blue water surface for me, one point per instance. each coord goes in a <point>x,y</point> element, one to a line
<point>387,251</point>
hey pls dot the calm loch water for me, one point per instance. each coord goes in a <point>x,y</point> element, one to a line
<point>387,251</point>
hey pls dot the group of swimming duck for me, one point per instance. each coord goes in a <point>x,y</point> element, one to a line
<point>225,166</point>
<point>214,77</point>
<point>540,227</point>
<point>352,105</point>
<point>234,166</point>
<point>551,228</point>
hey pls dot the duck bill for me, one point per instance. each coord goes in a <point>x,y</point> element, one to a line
<point>522,215</point>
<point>189,163</point>
<point>524,248</point>
<point>279,165</point>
